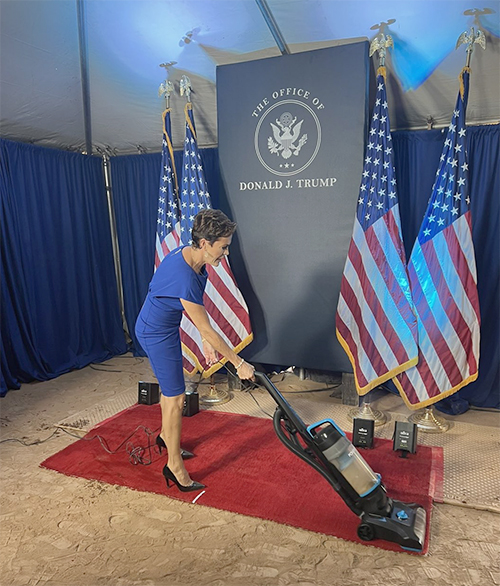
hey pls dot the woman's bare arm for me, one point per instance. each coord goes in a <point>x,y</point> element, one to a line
<point>198,315</point>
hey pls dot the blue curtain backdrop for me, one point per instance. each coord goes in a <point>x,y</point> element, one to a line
<point>135,182</point>
<point>59,296</point>
<point>53,226</point>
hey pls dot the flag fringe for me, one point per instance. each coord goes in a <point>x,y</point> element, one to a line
<point>381,379</point>
<point>171,151</point>
<point>187,107</point>
<point>437,398</point>
<point>206,373</point>
<point>461,80</point>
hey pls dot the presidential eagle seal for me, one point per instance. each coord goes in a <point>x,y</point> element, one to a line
<point>287,137</point>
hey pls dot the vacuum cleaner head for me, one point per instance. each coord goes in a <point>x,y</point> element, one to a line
<point>329,452</point>
<point>405,526</point>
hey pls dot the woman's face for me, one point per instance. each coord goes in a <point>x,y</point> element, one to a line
<point>215,252</point>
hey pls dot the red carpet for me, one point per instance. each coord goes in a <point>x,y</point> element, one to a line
<point>248,470</point>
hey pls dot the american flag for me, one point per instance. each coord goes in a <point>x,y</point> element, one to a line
<point>442,271</point>
<point>226,308</point>
<point>167,225</point>
<point>375,319</point>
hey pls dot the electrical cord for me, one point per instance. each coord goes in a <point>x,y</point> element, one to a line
<point>138,360</point>
<point>249,386</point>
<point>14,439</point>
<point>329,388</point>
<point>137,454</point>
<point>258,405</point>
<point>104,369</point>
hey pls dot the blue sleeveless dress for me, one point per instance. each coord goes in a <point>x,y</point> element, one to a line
<point>157,326</point>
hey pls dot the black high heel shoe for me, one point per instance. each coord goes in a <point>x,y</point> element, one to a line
<point>160,442</point>
<point>169,476</point>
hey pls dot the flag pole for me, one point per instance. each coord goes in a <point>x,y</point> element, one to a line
<point>469,39</point>
<point>165,89</point>
<point>215,396</point>
<point>426,419</point>
<point>380,43</point>
<point>185,88</point>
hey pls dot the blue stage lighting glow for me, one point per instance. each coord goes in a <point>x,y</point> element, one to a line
<point>173,31</point>
<point>424,32</point>
<point>198,34</point>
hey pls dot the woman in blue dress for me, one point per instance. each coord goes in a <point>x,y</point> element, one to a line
<point>178,285</point>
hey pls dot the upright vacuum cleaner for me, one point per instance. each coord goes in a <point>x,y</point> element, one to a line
<point>330,453</point>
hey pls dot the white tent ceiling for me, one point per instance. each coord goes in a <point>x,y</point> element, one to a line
<point>75,72</point>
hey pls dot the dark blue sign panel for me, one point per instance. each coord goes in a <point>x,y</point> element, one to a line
<point>291,137</point>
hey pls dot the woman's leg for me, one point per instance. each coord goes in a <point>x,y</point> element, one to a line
<point>171,423</point>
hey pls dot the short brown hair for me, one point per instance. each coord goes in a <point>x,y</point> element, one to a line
<point>211,225</point>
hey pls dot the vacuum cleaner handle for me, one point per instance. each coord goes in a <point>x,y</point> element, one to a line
<point>231,369</point>
<point>260,377</point>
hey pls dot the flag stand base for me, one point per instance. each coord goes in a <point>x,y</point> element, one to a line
<point>364,411</point>
<point>428,422</point>
<point>215,396</point>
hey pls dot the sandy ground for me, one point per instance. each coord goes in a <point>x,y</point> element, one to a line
<point>64,531</point>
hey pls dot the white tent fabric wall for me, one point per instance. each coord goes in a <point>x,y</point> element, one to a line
<point>125,42</point>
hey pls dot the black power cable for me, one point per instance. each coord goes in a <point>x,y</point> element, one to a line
<point>136,453</point>
<point>249,386</point>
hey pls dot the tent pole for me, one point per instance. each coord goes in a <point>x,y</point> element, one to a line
<point>82,41</point>
<point>116,248</point>
<point>273,26</point>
